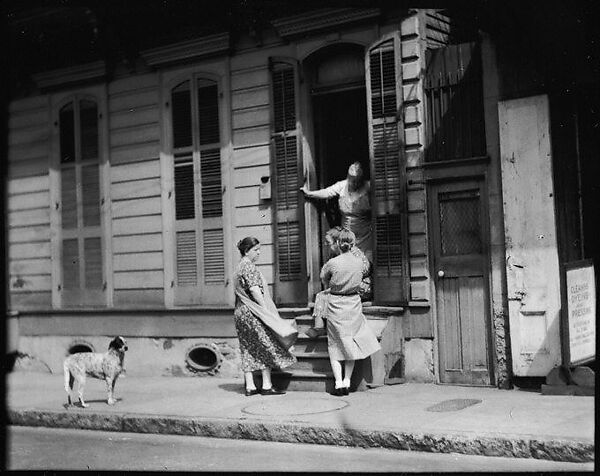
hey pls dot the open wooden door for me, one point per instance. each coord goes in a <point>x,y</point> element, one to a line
<point>388,170</point>
<point>289,237</point>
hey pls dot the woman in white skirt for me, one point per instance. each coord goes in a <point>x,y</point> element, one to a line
<point>348,335</point>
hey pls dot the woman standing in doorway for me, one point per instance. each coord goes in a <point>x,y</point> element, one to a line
<point>355,206</point>
<point>265,338</point>
<point>348,335</point>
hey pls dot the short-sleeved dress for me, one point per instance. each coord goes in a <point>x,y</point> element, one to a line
<point>348,334</point>
<point>355,209</point>
<point>259,347</point>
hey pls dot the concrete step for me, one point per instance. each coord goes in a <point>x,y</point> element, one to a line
<point>306,344</point>
<point>313,361</point>
<point>303,380</point>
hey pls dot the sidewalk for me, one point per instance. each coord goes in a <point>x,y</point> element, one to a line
<point>416,417</point>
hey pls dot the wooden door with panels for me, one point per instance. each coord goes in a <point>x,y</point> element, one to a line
<point>460,255</point>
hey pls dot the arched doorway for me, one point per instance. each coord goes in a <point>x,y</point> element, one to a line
<point>336,85</point>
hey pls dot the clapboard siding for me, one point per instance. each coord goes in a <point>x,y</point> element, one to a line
<point>22,136</point>
<point>131,262</point>
<point>250,77</point>
<point>136,207</point>
<point>246,196</point>
<point>135,243</point>
<point>28,168</point>
<point>251,117</point>
<point>250,97</point>
<point>139,298</point>
<point>26,234</point>
<point>36,282</point>
<point>37,216</point>
<point>138,279</point>
<point>137,225</point>
<point>258,135</point>
<point>30,266</point>
<point>28,201</point>
<point>135,171</point>
<point>142,115</point>
<point>262,233</point>
<point>134,152</point>
<point>29,151</point>
<point>136,189</point>
<point>30,300</point>
<point>20,186</point>
<point>241,177</point>
<point>253,215</point>
<point>250,157</point>
<point>30,250</point>
<point>135,134</point>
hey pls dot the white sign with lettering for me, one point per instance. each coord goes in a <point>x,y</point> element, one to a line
<point>581,313</point>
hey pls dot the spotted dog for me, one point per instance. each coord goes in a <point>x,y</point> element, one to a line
<point>105,367</point>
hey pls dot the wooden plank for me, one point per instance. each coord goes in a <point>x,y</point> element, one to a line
<point>138,207</point>
<point>39,216</point>
<point>263,233</point>
<point>21,283</point>
<point>252,136</point>
<point>412,115</point>
<point>29,201</point>
<point>252,156</point>
<point>29,168</point>
<point>135,117</point>
<point>28,104</point>
<point>416,200</point>
<point>29,135</point>
<point>135,171</point>
<point>411,92</point>
<point>439,22</point>
<point>419,290</point>
<point>138,279</point>
<point>138,261</point>
<point>23,185</point>
<point>438,37</point>
<point>135,153</point>
<point>132,83</point>
<point>137,243</point>
<point>140,298</point>
<point>25,234</point>
<point>28,151</point>
<point>29,250</point>
<point>411,70</point>
<point>246,98</point>
<point>412,135</point>
<point>252,216</point>
<point>257,57</point>
<point>30,300</point>
<point>417,245</point>
<point>135,135</point>
<point>254,117</point>
<point>419,267</point>
<point>27,119</point>
<point>250,176</point>
<point>413,159</point>
<point>132,100</point>
<point>410,49</point>
<point>409,26</point>
<point>247,196</point>
<point>137,225</point>
<point>248,78</point>
<point>30,266</point>
<point>137,189</point>
<point>416,222</point>
<point>216,323</point>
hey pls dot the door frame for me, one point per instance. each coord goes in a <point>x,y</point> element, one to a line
<point>436,173</point>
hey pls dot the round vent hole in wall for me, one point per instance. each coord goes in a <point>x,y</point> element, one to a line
<point>203,358</point>
<point>80,347</point>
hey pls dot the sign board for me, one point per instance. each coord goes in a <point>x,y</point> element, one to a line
<point>579,313</point>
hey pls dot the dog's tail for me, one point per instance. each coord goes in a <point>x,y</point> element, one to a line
<point>69,380</point>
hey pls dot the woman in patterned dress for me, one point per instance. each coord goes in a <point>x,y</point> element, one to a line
<point>261,347</point>
<point>348,335</point>
<point>355,206</point>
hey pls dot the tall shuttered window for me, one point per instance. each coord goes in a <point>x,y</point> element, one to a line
<point>80,205</point>
<point>290,276</point>
<point>198,192</point>
<point>384,91</point>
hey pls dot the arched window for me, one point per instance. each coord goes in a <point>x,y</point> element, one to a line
<point>80,207</point>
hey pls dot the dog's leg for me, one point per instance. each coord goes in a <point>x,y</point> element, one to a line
<point>68,382</point>
<point>110,387</point>
<point>80,388</point>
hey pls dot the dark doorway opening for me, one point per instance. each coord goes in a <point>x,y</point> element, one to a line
<point>341,138</point>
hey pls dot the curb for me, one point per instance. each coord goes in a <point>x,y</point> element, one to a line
<point>298,432</point>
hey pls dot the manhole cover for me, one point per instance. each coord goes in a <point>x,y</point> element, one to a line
<point>295,407</point>
<point>453,405</point>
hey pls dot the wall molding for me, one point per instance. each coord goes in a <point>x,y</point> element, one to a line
<point>187,50</point>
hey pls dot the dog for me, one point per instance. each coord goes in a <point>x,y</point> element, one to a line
<point>105,367</point>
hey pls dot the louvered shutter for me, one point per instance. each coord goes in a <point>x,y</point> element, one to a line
<point>199,254</point>
<point>81,250</point>
<point>388,170</point>
<point>290,270</point>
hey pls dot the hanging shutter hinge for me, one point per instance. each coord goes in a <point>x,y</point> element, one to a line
<point>59,287</point>
<point>172,283</point>
<point>56,206</point>
<point>104,286</point>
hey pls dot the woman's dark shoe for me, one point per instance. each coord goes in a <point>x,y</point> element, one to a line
<point>271,391</point>
<point>338,392</point>
<point>254,391</point>
<point>346,390</point>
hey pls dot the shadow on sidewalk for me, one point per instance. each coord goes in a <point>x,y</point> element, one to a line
<point>233,387</point>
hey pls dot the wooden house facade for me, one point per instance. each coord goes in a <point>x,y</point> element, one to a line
<point>128,192</point>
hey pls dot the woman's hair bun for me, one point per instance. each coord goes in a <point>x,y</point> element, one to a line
<point>245,244</point>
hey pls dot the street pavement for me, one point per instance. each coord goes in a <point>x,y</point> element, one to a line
<point>413,417</point>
